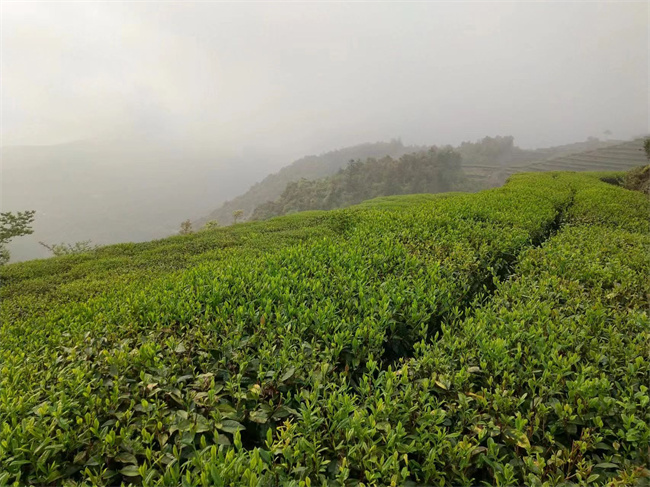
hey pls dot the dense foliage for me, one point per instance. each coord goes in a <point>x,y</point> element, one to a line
<point>308,167</point>
<point>14,225</point>
<point>432,171</point>
<point>498,337</point>
<point>493,151</point>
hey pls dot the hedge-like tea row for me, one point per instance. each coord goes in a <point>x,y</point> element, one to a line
<point>361,345</point>
<point>544,384</point>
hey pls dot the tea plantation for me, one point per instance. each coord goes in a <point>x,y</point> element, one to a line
<point>497,338</point>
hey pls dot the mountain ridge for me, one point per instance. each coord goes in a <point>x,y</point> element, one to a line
<point>308,167</point>
<point>483,161</point>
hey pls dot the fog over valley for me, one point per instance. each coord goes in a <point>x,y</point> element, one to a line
<point>121,120</point>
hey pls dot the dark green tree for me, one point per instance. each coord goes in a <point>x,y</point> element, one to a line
<point>13,225</point>
<point>431,171</point>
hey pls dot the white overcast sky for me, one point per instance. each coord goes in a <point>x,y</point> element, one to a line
<point>306,77</point>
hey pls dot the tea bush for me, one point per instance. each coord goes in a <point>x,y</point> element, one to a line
<point>499,337</point>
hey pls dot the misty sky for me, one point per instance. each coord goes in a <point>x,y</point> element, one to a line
<point>297,78</point>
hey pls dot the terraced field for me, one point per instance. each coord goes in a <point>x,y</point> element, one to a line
<point>621,157</point>
<point>618,157</point>
<point>494,338</point>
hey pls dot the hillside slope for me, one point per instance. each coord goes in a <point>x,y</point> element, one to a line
<point>309,167</point>
<point>432,171</point>
<point>619,157</point>
<point>483,161</point>
<point>499,337</point>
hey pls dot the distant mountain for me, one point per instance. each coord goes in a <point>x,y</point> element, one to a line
<point>310,168</point>
<point>436,170</point>
<point>483,161</point>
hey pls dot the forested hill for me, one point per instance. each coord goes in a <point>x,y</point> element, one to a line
<point>309,167</point>
<point>432,171</point>
<point>482,159</point>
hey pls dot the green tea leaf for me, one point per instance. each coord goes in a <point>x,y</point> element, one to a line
<point>130,471</point>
